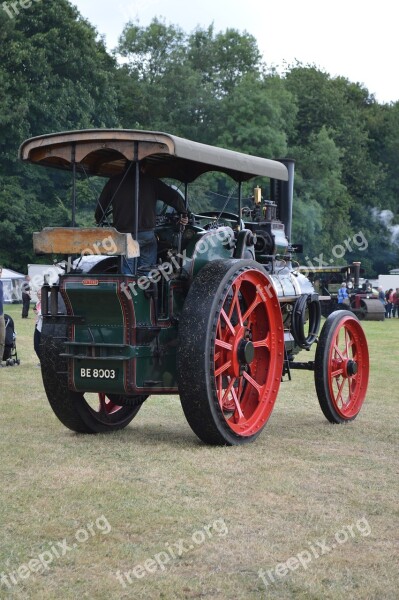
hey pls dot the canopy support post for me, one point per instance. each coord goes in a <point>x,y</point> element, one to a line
<point>136,199</point>
<point>239,204</point>
<point>73,160</point>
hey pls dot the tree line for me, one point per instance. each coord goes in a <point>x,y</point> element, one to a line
<point>210,86</point>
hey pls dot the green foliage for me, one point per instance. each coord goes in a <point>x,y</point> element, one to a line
<point>55,74</point>
<point>150,50</point>
<point>173,81</point>
<point>318,183</point>
<point>223,58</point>
<point>255,118</point>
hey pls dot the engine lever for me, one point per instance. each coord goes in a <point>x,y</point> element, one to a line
<point>182,227</point>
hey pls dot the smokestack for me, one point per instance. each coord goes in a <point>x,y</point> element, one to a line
<point>356,273</point>
<point>282,192</point>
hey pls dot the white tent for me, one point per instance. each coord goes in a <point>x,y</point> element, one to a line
<point>389,281</point>
<point>39,273</point>
<point>12,285</point>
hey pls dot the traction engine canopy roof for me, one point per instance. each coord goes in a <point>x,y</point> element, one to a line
<point>104,152</point>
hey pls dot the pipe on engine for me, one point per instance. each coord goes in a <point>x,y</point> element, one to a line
<point>356,274</point>
<point>311,303</point>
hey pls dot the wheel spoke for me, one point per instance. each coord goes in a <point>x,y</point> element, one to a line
<point>347,397</point>
<point>340,388</point>
<point>252,382</point>
<point>227,391</point>
<point>238,407</point>
<point>257,300</point>
<point>230,391</point>
<point>337,350</point>
<point>352,382</point>
<point>236,304</point>
<point>265,343</point>
<point>339,371</point>
<point>223,344</point>
<point>227,321</point>
<point>348,342</point>
<point>106,406</point>
<point>223,368</point>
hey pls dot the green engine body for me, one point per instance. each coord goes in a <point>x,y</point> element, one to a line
<point>123,330</point>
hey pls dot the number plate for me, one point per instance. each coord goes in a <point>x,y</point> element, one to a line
<point>89,373</point>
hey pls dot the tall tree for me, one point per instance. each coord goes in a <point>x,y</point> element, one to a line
<point>177,81</point>
<point>258,116</point>
<point>55,75</point>
<point>340,106</point>
<point>223,58</point>
<point>321,209</point>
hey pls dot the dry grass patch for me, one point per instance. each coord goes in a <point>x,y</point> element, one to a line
<point>300,483</point>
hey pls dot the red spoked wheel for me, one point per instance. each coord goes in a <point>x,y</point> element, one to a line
<point>106,405</point>
<point>341,367</point>
<point>231,352</point>
<point>81,412</point>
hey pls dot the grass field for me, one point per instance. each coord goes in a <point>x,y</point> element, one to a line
<point>312,505</point>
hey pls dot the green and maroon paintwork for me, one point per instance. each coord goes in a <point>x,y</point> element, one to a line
<point>220,328</point>
<point>118,343</point>
<point>118,334</point>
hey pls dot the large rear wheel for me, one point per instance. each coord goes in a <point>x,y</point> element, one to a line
<point>83,413</point>
<point>341,367</point>
<point>231,352</point>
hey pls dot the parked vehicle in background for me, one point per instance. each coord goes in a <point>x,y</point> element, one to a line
<point>364,302</point>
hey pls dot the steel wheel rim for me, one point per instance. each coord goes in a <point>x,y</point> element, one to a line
<point>101,406</point>
<point>248,353</point>
<point>348,368</point>
<point>106,405</point>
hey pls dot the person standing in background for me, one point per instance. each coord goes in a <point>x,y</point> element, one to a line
<point>25,297</point>
<point>2,323</point>
<point>395,303</point>
<point>381,296</point>
<point>388,303</point>
<point>343,296</point>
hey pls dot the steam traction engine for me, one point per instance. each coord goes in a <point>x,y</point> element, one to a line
<point>363,301</point>
<point>219,321</point>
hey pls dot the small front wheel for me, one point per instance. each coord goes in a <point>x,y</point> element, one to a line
<point>341,367</point>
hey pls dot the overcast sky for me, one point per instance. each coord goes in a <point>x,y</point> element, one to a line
<point>353,38</point>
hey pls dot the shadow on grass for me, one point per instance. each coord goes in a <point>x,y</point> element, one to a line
<point>282,427</point>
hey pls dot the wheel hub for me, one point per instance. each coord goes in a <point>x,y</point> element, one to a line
<point>246,352</point>
<point>243,351</point>
<point>351,368</point>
